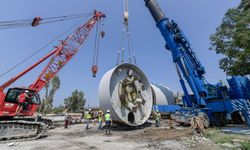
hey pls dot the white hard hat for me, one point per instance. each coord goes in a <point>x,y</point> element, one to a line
<point>26,91</point>
<point>89,109</point>
<point>108,111</point>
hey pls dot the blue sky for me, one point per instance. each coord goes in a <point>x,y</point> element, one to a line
<point>197,18</point>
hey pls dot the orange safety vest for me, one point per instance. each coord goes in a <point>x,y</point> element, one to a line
<point>22,98</point>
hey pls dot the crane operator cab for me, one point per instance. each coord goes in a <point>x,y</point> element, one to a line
<point>20,101</point>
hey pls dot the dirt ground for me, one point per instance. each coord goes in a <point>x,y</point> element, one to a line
<point>146,138</point>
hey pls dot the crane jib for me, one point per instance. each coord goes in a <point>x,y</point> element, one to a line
<point>59,56</point>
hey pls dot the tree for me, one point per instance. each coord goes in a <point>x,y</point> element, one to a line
<point>58,109</point>
<point>232,39</point>
<point>75,102</point>
<point>245,4</point>
<point>50,90</point>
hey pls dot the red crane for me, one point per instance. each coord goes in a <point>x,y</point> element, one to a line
<point>59,57</point>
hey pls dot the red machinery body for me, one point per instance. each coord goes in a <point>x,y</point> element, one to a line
<point>9,103</point>
<point>60,56</point>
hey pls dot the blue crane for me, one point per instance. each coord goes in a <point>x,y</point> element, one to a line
<point>214,101</point>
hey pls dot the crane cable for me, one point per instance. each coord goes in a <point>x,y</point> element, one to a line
<point>98,35</point>
<point>37,21</point>
<point>39,50</point>
<point>126,35</point>
<point>121,50</point>
<point>63,18</point>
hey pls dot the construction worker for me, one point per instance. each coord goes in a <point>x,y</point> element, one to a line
<point>108,122</point>
<point>66,121</point>
<point>66,118</point>
<point>22,99</point>
<point>100,118</point>
<point>157,118</point>
<point>88,118</point>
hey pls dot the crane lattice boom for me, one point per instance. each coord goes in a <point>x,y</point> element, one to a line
<point>65,51</point>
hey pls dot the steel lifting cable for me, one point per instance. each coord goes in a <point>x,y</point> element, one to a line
<point>96,48</point>
<point>96,44</point>
<point>129,44</point>
<point>29,22</point>
<point>68,16</point>
<point>126,35</point>
<point>121,49</point>
<point>126,17</point>
<point>63,18</point>
<point>39,50</point>
<point>118,57</point>
<point>14,25</point>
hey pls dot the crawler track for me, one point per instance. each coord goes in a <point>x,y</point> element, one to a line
<point>20,130</point>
